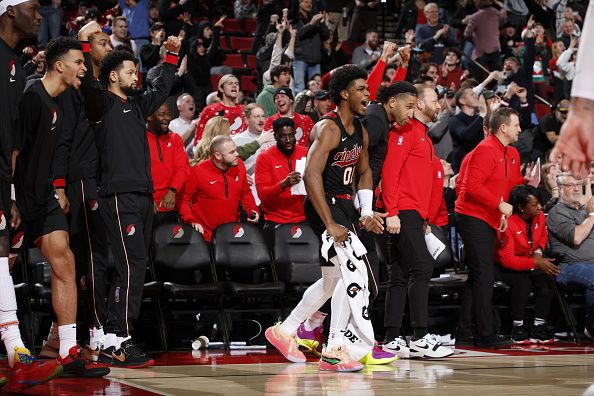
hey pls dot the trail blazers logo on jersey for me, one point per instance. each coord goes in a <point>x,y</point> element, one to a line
<point>296,232</point>
<point>93,205</point>
<point>54,119</point>
<point>130,230</point>
<point>347,157</point>
<point>17,241</point>
<point>178,232</point>
<point>12,70</point>
<point>2,220</point>
<point>238,231</point>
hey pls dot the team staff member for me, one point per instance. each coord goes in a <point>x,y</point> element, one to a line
<point>18,20</point>
<point>125,187</point>
<point>215,189</point>
<point>169,165</point>
<point>275,175</point>
<point>482,209</point>
<point>41,121</point>
<point>407,178</point>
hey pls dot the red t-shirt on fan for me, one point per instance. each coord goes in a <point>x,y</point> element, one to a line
<point>233,113</point>
<point>303,125</point>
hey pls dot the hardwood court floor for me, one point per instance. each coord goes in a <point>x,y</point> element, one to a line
<point>560,370</point>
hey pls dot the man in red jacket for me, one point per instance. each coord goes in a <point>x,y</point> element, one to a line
<point>482,209</point>
<point>215,189</point>
<point>407,178</point>
<point>276,173</point>
<point>169,165</point>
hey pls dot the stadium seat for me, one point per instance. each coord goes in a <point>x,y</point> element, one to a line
<point>234,60</point>
<point>542,110</point>
<point>183,263</point>
<point>242,44</point>
<point>214,80</point>
<point>248,85</point>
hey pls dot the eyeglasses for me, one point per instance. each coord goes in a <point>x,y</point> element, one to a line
<point>573,185</point>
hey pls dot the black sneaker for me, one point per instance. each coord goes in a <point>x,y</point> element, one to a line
<point>131,356</point>
<point>541,335</point>
<point>106,356</point>
<point>76,365</point>
<point>491,342</point>
<point>519,335</point>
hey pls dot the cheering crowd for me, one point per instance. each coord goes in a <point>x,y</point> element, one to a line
<point>117,117</point>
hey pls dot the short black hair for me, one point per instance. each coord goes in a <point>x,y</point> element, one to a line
<point>341,78</point>
<point>519,196</point>
<point>282,122</point>
<point>278,70</point>
<point>114,61</point>
<point>393,90</point>
<point>58,47</point>
<point>455,51</point>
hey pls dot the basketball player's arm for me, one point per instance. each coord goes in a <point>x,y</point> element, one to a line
<point>327,136</point>
<point>373,222</point>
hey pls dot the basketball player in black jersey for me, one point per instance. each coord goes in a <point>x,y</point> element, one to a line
<point>337,157</point>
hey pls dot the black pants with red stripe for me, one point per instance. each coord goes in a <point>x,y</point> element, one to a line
<point>88,241</point>
<point>129,221</point>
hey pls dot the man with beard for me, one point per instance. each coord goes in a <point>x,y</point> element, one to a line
<point>407,178</point>
<point>74,172</point>
<point>481,210</point>
<point>125,189</point>
<point>276,174</point>
<point>367,54</point>
<point>254,114</point>
<point>41,123</point>
<point>337,157</point>
<point>228,91</point>
<point>283,99</point>
<point>169,165</point>
<point>18,20</point>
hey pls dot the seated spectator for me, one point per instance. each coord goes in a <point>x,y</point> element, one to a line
<point>119,35</point>
<point>547,131</point>
<point>450,73</point>
<point>466,127</point>
<point>150,53</point>
<point>169,165</point>
<point>228,91</point>
<point>283,99</point>
<point>254,114</point>
<point>435,33</point>
<point>367,54</point>
<point>520,263</point>
<point>275,175</point>
<point>216,188</point>
<point>183,125</point>
<point>281,77</point>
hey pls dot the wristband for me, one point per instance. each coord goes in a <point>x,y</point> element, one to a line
<point>365,198</point>
<point>12,193</point>
<point>590,214</point>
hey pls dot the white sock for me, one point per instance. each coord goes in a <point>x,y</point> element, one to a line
<point>314,321</point>
<point>341,312</point>
<point>518,323</point>
<point>314,297</point>
<point>54,334</point>
<point>97,337</point>
<point>539,322</point>
<point>119,341</point>
<point>11,335</point>
<point>110,340</point>
<point>67,334</point>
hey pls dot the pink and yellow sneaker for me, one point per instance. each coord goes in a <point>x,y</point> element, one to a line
<point>378,356</point>
<point>311,340</point>
<point>338,359</point>
<point>285,344</point>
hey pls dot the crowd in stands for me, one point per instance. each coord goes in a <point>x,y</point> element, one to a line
<point>251,79</point>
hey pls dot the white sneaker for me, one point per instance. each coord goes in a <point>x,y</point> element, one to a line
<point>428,347</point>
<point>398,347</point>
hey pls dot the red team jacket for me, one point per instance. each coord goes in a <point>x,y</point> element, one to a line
<point>490,172</point>
<point>212,197</point>
<point>513,249</point>
<point>408,187</point>
<point>234,114</point>
<point>438,212</point>
<point>169,166</point>
<point>272,167</point>
<point>303,125</point>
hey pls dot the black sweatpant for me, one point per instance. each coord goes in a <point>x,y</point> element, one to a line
<point>479,245</point>
<point>412,266</point>
<point>88,241</point>
<point>521,282</point>
<point>129,220</point>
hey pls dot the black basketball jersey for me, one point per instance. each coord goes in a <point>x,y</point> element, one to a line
<point>340,166</point>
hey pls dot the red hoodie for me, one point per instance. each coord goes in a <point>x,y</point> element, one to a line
<point>169,166</point>
<point>272,167</point>
<point>234,114</point>
<point>212,196</point>
<point>438,212</point>
<point>491,172</point>
<point>303,126</point>
<point>514,250</point>
<point>407,174</point>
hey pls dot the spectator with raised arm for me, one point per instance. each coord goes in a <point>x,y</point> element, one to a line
<point>433,32</point>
